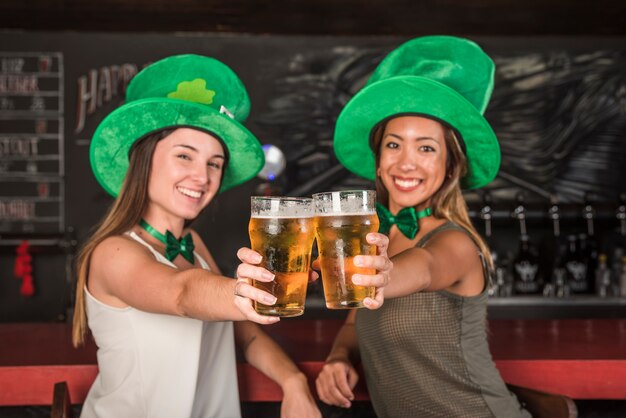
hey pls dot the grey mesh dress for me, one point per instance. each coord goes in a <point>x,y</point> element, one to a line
<point>426,355</point>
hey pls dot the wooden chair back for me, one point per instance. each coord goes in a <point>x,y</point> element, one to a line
<point>61,404</point>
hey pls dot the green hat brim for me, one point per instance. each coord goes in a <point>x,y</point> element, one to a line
<point>419,96</point>
<point>124,126</point>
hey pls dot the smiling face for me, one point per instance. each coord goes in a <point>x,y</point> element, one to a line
<point>186,173</point>
<point>412,161</point>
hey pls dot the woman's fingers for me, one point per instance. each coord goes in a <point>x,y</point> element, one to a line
<point>245,294</point>
<point>248,271</point>
<point>378,262</point>
<point>246,255</point>
<point>381,241</point>
<point>245,290</point>
<point>375,280</point>
<point>315,265</point>
<point>245,306</point>
<point>378,300</point>
<point>332,383</point>
<point>341,379</point>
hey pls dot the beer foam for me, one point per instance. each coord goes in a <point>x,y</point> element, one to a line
<point>281,208</point>
<point>345,202</point>
<point>270,216</point>
<point>346,214</point>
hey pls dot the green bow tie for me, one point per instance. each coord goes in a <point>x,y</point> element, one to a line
<point>405,220</point>
<point>173,246</point>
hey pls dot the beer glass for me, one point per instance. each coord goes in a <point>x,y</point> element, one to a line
<point>342,221</point>
<point>281,230</point>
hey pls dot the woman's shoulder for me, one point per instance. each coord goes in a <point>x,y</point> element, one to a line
<point>117,246</point>
<point>453,238</point>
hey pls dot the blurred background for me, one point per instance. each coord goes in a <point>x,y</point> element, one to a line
<point>555,217</point>
<point>558,108</point>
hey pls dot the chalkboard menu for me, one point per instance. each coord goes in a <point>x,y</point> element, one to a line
<point>31,142</point>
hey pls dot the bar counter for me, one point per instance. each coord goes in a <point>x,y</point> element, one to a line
<point>583,359</point>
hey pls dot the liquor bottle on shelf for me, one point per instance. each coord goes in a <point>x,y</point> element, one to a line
<point>576,267</point>
<point>526,275</point>
<point>617,245</point>
<point>622,278</point>
<point>552,260</point>
<point>604,286</point>
<point>588,253</point>
<point>616,262</point>
<point>498,286</point>
<point>562,289</point>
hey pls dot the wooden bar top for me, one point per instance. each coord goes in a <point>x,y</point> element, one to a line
<point>583,359</point>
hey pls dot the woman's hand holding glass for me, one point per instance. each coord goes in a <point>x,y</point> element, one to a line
<point>383,267</point>
<point>245,293</point>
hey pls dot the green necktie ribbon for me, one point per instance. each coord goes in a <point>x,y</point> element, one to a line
<point>406,220</point>
<point>173,246</point>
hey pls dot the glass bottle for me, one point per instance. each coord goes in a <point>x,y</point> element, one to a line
<point>552,260</point>
<point>497,287</point>
<point>622,278</point>
<point>603,278</point>
<point>588,244</point>
<point>575,267</point>
<point>526,277</point>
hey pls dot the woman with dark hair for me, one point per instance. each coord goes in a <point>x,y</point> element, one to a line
<point>158,308</point>
<point>417,129</point>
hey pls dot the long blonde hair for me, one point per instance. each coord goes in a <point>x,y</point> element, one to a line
<point>125,212</point>
<point>447,202</point>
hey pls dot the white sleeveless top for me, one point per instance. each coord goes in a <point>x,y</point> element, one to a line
<point>156,365</point>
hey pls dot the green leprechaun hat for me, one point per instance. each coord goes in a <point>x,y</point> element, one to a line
<point>179,91</point>
<point>445,78</point>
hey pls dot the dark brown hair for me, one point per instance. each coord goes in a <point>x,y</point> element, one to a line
<point>125,212</point>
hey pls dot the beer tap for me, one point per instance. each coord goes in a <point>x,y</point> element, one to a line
<point>589,214</point>
<point>555,215</point>
<point>553,264</point>
<point>520,213</point>
<point>497,288</point>
<point>588,245</point>
<point>486,214</point>
<point>527,278</point>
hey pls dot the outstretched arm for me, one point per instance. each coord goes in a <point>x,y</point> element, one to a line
<point>123,272</point>
<point>449,260</point>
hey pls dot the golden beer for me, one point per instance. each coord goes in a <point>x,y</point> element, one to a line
<point>285,245</point>
<point>339,239</point>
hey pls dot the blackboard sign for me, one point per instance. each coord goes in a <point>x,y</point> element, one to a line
<point>31,142</point>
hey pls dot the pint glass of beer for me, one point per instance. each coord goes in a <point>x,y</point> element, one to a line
<point>281,230</point>
<point>342,221</point>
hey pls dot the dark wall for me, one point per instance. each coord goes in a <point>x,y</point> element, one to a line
<point>570,90</point>
<point>323,17</point>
